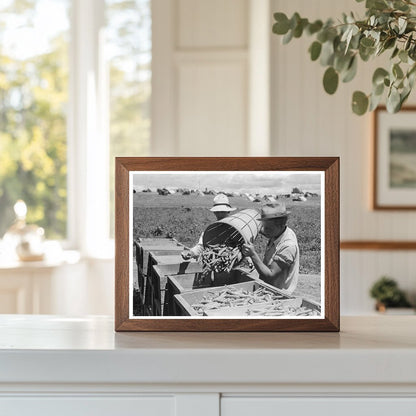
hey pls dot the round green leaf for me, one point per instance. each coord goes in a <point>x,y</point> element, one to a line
<point>403,55</point>
<point>327,53</point>
<point>365,53</point>
<point>342,61</point>
<point>359,103</point>
<point>351,71</point>
<point>281,27</point>
<point>330,80</point>
<point>379,75</point>
<point>389,43</point>
<point>403,96</point>
<point>378,90</point>
<point>395,52</point>
<point>315,50</point>
<point>367,42</point>
<point>298,30</point>
<point>374,102</point>
<point>314,27</point>
<point>397,71</point>
<point>294,20</point>
<point>288,37</point>
<point>393,101</point>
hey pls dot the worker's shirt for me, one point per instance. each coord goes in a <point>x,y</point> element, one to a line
<point>284,250</point>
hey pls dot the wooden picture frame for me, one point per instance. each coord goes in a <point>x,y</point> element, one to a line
<point>394,158</point>
<point>128,168</point>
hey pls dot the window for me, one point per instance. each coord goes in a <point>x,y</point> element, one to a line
<point>33,99</point>
<point>129,46</point>
<point>75,87</point>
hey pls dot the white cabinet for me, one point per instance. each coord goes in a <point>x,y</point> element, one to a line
<point>324,406</point>
<point>52,365</point>
<point>65,286</point>
<point>88,406</point>
<point>25,291</point>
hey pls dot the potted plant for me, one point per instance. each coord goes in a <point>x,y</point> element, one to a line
<point>387,294</point>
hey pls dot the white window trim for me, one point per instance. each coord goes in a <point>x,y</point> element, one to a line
<point>88,138</point>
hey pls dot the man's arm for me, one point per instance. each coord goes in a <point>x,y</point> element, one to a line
<point>267,273</point>
<point>195,251</point>
<point>270,273</point>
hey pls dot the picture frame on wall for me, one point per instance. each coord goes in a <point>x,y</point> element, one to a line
<point>227,244</point>
<point>394,151</point>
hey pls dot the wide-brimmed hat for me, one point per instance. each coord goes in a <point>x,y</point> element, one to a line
<point>222,204</point>
<point>271,211</point>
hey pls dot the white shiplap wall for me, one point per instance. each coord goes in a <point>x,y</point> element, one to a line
<point>305,121</point>
<point>200,77</point>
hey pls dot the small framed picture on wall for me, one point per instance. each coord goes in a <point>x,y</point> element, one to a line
<point>394,177</point>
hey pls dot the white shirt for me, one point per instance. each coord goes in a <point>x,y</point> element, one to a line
<point>284,250</point>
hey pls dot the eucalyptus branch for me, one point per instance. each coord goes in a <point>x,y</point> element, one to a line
<point>388,25</point>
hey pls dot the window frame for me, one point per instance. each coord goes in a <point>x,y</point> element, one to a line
<point>88,133</point>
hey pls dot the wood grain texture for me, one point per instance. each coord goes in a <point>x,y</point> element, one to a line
<point>332,225</point>
<point>121,244</point>
<point>378,245</point>
<point>376,205</point>
<point>330,165</point>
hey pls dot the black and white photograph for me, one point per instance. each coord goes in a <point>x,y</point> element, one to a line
<point>226,244</point>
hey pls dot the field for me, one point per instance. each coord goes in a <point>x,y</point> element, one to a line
<point>185,217</point>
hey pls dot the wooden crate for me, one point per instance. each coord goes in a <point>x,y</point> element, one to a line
<point>161,257</point>
<point>160,273</point>
<point>142,254</point>
<point>185,300</point>
<point>152,298</point>
<point>177,284</point>
<point>143,250</point>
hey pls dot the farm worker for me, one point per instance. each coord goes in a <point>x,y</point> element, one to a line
<point>280,265</point>
<point>221,209</point>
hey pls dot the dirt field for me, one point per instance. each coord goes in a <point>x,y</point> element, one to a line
<point>185,217</point>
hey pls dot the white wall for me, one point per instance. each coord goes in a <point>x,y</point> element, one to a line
<point>308,122</point>
<point>202,83</point>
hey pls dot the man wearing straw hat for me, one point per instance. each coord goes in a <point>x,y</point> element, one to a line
<point>221,209</point>
<point>280,265</point>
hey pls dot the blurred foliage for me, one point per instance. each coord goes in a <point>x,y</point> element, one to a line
<point>386,291</point>
<point>389,27</point>
<point>129,36</point>
<point>33,98</point>
<point>33,108</point>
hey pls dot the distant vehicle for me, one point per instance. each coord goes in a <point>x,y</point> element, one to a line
<point>163,191</point>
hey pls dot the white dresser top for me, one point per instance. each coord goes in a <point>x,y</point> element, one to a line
<point>49,349</point>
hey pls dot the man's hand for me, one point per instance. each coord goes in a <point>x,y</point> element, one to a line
<point>248,250</point>
<point>186,254</point>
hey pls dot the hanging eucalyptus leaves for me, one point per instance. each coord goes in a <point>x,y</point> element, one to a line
<point>389,27</point>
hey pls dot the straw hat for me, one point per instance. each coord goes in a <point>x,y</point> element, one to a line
<point>222,204</point>
<point>271,211</point>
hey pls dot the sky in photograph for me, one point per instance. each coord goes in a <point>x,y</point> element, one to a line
<point>251,182</point>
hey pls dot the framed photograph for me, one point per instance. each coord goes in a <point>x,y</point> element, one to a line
<point>394,180</point>
<point>227,244</point>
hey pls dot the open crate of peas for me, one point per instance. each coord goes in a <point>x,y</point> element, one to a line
<point>253,298</point>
